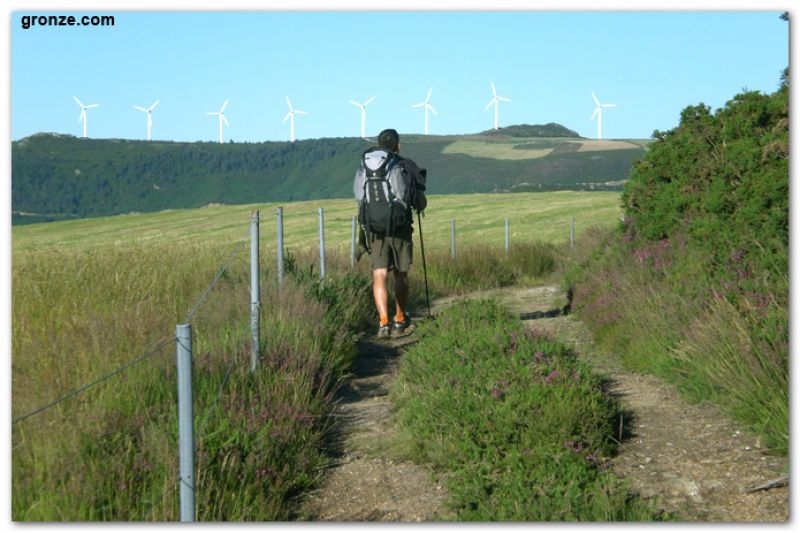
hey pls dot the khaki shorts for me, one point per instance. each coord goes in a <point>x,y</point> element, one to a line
<point>393,253</point>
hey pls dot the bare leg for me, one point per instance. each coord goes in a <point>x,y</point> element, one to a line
<point>400,291</point>
<point>380,293</point>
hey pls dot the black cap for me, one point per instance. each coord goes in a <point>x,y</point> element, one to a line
<point>389,140</point>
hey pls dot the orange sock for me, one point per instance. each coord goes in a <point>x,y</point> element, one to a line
<point>399,317</point>
<point>384,320</point>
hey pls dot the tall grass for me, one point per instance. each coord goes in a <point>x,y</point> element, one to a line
<point>663,310</point>
<point>110,453</point>
<point>83,309</point>
<point>518,424</point>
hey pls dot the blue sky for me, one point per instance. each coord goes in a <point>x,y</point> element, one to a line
<point>651,64</point>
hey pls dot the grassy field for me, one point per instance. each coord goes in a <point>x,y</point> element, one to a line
<point>92,295</point>
<point>519,148</point>
<point>479,218</point>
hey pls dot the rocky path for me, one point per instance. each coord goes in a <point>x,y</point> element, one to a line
<point>691,458</point>
<point>368,482</point>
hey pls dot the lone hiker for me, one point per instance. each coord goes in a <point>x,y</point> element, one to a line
<point>386,187</point>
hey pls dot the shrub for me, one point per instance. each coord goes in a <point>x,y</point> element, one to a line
<point>519,424</point>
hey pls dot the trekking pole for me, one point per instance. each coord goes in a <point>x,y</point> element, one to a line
<point>424,266</point>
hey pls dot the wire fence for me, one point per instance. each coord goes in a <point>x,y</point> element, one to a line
<point>185,479</point>
<point>155,349</point>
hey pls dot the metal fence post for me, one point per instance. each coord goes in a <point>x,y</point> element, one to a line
<point>353,244</point>
<point>321,244</point>
<point>185,421</point>
<point>280,246</point>
<point>453,239</point>
<point>507,241</point>
<point>255,298</point>
<point>571,233</point>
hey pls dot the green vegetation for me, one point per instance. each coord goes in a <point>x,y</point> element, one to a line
<point>92,295</point>
<point>694,286</point>
<point>480,218</point>
<point>517,424</point>
<point>60,177</point>
<point>551,129</point>
<point>110,453</point>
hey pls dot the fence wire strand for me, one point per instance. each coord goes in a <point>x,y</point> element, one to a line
<point>79,390</point>
<point>204,294</point>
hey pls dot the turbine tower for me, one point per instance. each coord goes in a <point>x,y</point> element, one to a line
<point>82,116</point>
<point>222,118</point>
<point>495,99</point>
<point>290,115</point>
<point>428,106</point>
<point>598,111</point>
<point>363,114</point>
<point>149,112</point>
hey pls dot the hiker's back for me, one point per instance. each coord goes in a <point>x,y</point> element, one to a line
<point>384,193</point>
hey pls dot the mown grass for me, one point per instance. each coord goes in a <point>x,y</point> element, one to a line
<point>517,424</point>
<point>480,218</point>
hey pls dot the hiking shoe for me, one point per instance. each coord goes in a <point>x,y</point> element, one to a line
<point>385,331</point>
<point>402,328</point>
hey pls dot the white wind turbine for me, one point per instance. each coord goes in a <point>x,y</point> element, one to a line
<point>495,99</point>
<point>222,118</point>
<point>428,106</point>
<point>290,115</point>
<point>82,116</point>
<point>598,111</point>
<point>149,112</point>
<point>363,113</point>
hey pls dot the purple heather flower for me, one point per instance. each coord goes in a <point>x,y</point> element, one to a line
<point>551,376</point>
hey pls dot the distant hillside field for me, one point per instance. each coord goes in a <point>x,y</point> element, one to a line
<point>479,218</point>
<point>58,177</point>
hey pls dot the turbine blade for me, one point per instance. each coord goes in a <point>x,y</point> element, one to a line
<point>432,109</point>
<point>289,114</point>
<point>596,111</point>
<point>154,105</point>
<point>300,112</point>
<point>80,117</point>
<point>289,103</point>
<point>494,91</point>
<point>356,103</point>
<point>225,120</point>
<point>419,104</point>
<point>224,106</point>
<point>596,101</point>
<point>92,106</point>
<point>504,99</point>
<point>212,113</point>
<point>493,100</point>
<point>140,108</point>
<point>430,90</point>
<point>368,101</point>
<point>609,105</point>
<point>79,102</point>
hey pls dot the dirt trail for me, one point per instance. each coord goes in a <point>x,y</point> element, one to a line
<point>368,482</point>
<point>692,458</point>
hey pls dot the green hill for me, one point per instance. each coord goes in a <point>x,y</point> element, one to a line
<point>60,176</point>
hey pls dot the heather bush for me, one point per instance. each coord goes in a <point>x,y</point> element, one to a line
<point>694,284</point>
<point>519,426</point>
